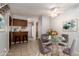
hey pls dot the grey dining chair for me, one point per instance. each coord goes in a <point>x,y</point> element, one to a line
<point>43,48</point>
<point>45,40</point>
<point>65,41</point>
<point>66,37</point>
<point>70,51</point>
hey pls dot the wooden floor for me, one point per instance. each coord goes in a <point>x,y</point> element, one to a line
<point>26,49</point>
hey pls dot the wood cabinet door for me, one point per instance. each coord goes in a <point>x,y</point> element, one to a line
<point>18,22</point>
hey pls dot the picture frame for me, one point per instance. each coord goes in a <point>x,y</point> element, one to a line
<point>70,25</point>
<point>2,23</point>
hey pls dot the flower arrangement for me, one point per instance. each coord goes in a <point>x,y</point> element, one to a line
<point>52,32</point>
<point>53,35</point>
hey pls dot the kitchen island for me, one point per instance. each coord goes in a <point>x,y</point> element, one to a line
<point>18,37</point>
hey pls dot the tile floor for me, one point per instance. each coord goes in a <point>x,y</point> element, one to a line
<point>26,49</point>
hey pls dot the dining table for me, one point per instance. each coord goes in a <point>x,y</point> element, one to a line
<point>56,49</point>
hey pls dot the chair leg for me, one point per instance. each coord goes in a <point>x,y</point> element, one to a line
<point>23,39</point>
<point>19,40</point>
<point>15,40</point>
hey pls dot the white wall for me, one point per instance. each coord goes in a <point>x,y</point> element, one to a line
<point>57,24</point>
<point>4,36</point>
<point>43,24</point>
<point>40,26</point>
<point>34,19</point>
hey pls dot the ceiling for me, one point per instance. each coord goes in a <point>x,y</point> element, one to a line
<point>37,9</point>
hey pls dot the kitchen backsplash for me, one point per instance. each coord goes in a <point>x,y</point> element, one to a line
<point>18,28</point>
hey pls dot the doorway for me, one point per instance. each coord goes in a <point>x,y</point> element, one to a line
<point>36,30</point>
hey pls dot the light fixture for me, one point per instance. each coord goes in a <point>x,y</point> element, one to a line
<point>55,12</point>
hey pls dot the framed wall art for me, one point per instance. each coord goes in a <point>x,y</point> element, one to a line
<point>2,23</point>
<point>71,25</point>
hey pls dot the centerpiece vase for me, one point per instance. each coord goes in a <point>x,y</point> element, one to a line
<point>55,40</point>
<point>49,37</point>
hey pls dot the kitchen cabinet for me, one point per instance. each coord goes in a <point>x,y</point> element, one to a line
<point>19,22</point>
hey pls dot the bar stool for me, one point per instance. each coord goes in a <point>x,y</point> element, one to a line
<point>25,38</point>
<point>17,38</point>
